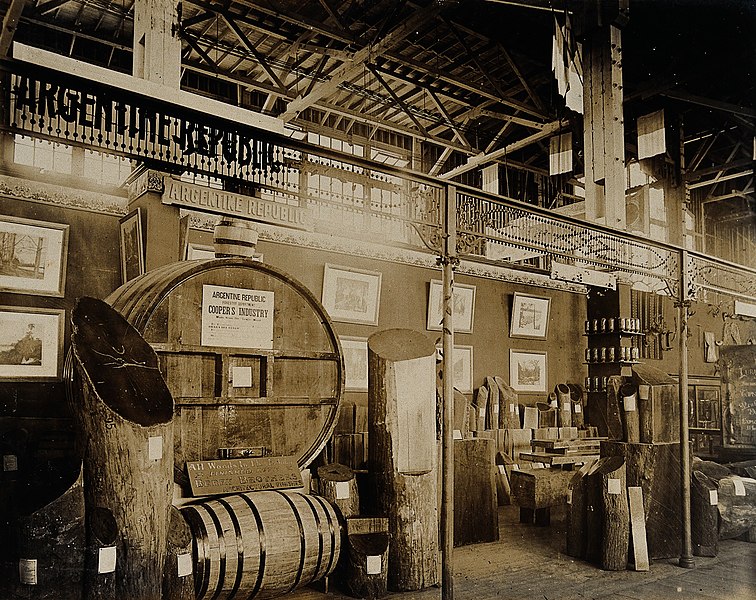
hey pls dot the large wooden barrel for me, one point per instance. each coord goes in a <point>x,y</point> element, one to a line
<point>269,385</point>
<point>261,544</point>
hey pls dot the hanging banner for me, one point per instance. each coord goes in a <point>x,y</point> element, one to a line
<point>237,317</point>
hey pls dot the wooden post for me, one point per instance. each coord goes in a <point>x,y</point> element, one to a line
<point>338,485</point>
<point>178,580</point>
<point>704,515</point>
<point>638,528</point>
<point>124,412</point>
<point>616,519</point>
<point>102,552</point>
<point>402,452</point>
<point>686,558</point>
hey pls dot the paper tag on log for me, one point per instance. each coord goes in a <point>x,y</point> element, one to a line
<point>106,559</point>
<point>538,465</point>
<point>457,434</point>
<point>644,391</point>
<point>10,462</point>
<point>27,570</point>
<point>739,487</point>
<point>613,486</point>
<point>482,413</point>
<point>184,564</point>
<point>156,447</point>
<point>516,467</point>
<point>566,406</point>
<point>517,409</point>
<point>502,470</point>
<point>496,408</point>
<point>578,408</point>
<point>511,407</point>
<point>629,403</point>
<point>374,565</point>
<point>713,497</point>
<point>569,495</point>
<point>241,377</point>
<point>342,490</point>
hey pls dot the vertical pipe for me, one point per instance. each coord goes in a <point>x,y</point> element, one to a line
<point>686,557</point>
<point>448,260</point>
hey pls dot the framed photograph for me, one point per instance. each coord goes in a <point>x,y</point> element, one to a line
<point>132,245</point>
<point>33,256</point>
<point>351,295</point>
<point>462,310</point>
<point>463,368</point>
<point>530,317</point>
<point>355,363</point>
<point>31,343</point>
<point>527,370</point>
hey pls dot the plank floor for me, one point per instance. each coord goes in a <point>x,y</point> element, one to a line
<point>528,563</point>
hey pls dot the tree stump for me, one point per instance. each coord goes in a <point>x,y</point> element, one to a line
<point>365,573</point>
<point>480,408</point>
<point>594,506</point>
<point>338,485</point>
<point>564,405</point>
<point>178,580</point>
<point>576,513</point>
<point>578,407</point>
<point>737,506</point>
<point>509,409</point>
<point>630,420</point>
<point>494,409</point>
<point>123,410</point>
<point>402,452</point>
<point>704,515</point>
<point>616,518</point>
<point>102,551</point>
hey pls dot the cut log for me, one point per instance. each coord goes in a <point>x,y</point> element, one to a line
<point>658,405</point>
<point>546,415</point>
<point>51,535</point>
<point>737,506</point>
<point>576,512</point>
<point>630,420</point>
<point>529,417</point>
<point>503,489</point>
<point>711,469</point>
<point>509,409</point>
<point>402,452</point>
<point>102,552</point>
<point>481,408</point>
<point>475,509</point>
<point>517,441</point>
<point>611,411</point>
<point>578,407</point>
<point>494,409</point>
<point>594,506</point>
<point>616,519</point>
<point>365,573</point>
<point>638,538</point>
<point>461,414</point>
<point>123,410</point>
<point>178,580</point>
<point>564,405</point>
<point>338,485</point>
<point>704,515</point>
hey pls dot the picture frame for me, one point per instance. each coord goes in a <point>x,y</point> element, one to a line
<point>528,370</point>
<point>132,245</point>
<point>351,295</point>
<point>31,343</point>
<point>463,308</point>
<point>462,369</point>
<point>33,256</point>
<point>530,316</point>
<point>355,351</point>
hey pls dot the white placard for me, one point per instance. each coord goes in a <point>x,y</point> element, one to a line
<point>482,413</point>
<point>106,559</point>
<point>155,447</point>
<point>516,467</point>
<point>713,497</point>
<point>496,409</point>
<point>342,490</point>
<point>457,434</point>
<point>241,377</point>
<point>739,487</point>
<point>10,462</point>
<point>538,465</point>
<point>502,470</point>
<point>511,407</point>
<point>237,317</point>
<point>578,408</point>
<point>569,496</point>
<point>566,406</point>
<point>374,565</point>
<point>184,564</point>
<point>629,403</point>
<point>517,409</point>
<point>613,486</point>
<point>27,570</point>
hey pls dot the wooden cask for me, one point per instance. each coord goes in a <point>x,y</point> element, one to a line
<point>261,544</point>
<point>285,365</point>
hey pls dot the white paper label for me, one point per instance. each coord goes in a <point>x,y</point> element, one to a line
<point>566,407</point>
<point>613,486</point>
<point>517,409</point>
<point>629,402</point>
<point>482,413</point>
<point>511,407</point>
<point>502,470</point>
<point>374,565</point>
<point>516,467</point>
<point>241,377</point>
<point>342,490</point>
<point>644,391</point>
<point>106,559</point>
<point>457,434</point>
<point>538,465</point>
<point>739,487</point>
<point>578,408</point>
<point>10,462</point>
<point>237,317</point>
<point>713,497</point>
<point>156,447</point>
<point>569,496</point>
<point>27,570</point>
<point>496,409</point>
<point>184,564</point>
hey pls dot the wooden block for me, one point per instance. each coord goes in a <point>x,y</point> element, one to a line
<point>345,424</point>
<point>638,528</point>
<point>557,459</point>
<point>475,504</point>
<point>517,441</point>
<point>547,433</point>
<point>567,433</point>
<point>658,405</point>
<point>539,488</point>
<point>529,417</point>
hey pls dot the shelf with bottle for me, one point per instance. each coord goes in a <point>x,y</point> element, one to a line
<point>611,354</point>
<point>613,325</point>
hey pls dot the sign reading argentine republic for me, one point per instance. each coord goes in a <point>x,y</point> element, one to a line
<point>207,199</point>
<point>237,317</point>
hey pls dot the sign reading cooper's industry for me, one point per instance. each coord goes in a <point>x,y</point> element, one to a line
<point>237,317</point>
<point>110,120</point>
<point>202,198</point>
<point>228,476</point>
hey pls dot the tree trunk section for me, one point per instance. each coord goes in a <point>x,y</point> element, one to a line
<point>578,406</point>
<point>494,409</point>
<point>480,407</point>
<point>102,550</point>
<point>576,513</point>
<point>124,411</point>
<point>338,485</point>
<point>402,452</point>
<point>365,574</point>
<point>564,405</point>
<point>594,506</point>
<point>630,419</point>
<point>509,409</point>
<point>178,580</point>
<point>704,515</point>
<point>616,519</point>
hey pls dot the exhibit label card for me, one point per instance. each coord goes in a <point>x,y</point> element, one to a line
<point>234,475</point>
<point>237,317</point>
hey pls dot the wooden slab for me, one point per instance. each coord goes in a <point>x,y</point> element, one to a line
<point>638,528</point>
<point>475,506</point>
<point>539,488</point>
<point>557,459</point>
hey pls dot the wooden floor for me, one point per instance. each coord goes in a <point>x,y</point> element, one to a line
<point>528,563</point>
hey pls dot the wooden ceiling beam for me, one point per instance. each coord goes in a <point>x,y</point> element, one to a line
<point>48,7</point>
<point>10,24</point>
<point>399,101</point>
<point>452,125</point>
<point>710,103</point>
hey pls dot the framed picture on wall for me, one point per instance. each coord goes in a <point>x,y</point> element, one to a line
<point>132,245</point>
<point>462,369</point>
<point>355,363</point>
<point>530,316</point>
<point>33,256</point>
<point>527,370</point>
<point>463,307</point>
<point>351,295</point>
<point>31,343</point>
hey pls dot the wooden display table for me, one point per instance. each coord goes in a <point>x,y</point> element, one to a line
<point>563,452</point>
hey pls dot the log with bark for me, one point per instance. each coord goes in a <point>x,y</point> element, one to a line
<point>509,409</point>
<point>102,551</point>
<point>338,485</point>
<point>658,405</point>
<point>630,420</point>
<point>494,409</point>
<point>480,408</point>
<point>365,572</point>
<point>737,506</point>
<point>578,407</point>
<point>616,518</point>
<point>178,582</point>
<point>123,410</point>
<point>402,452</point>
<point>576,512</point>
<point>475,508</point>
<point>564,405</point>
<point>704,514</point>
<point>594,482</point>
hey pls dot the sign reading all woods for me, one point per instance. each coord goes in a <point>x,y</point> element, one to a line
<point>236,317</point>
